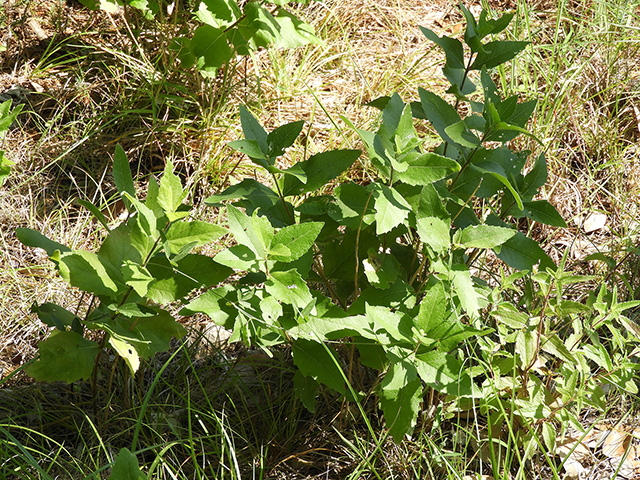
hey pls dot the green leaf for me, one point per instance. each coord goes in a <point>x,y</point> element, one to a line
<point>289,287</point>
<point>391,208</point>
<point>54,315</point>
<point>496,53</point>
<point>522,253</point>
<point>195,232</point>
<point>482,236</point>
<point>353,206</point>
<point>444,373</point>
<point>253,130</point>
<point>215,305</point>
<point>463,285</point>
<point>137,277</point>
<point>254,232</point>
<point>535,179</point>
<point>439,113</point>
<point>434,232</point>
<point>526,347</point>
<point>64,356</point>
<point>33,238</point>
<point>248,189</point>
<point>543,212</point>
<point>170,194</point>
<point>460,133</point>
<point>238,257</point>
<point>283,137</point>
<point>293,31</point>
<point>381,269</point>
<point>172,283</point>
<point>210,47</point>
<point>95,211</point>
<point>122,174</point>
<point>297,238</point>
<point>320,169</point>
<point>251,149</point>
<point>400,396</point>
<point>218,13</point>
<point>424,169</point>
<point>306,389</point>
<point>318,362</point>
<point>126,467</point>
<point>90,273</point>
<point>496,170</point>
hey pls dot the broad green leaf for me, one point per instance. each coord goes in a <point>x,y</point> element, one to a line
<point>259,26</point>
<point>54,315</point>
<point>444,373</point>
<point>195,232</point>
<point>328,328</point>
<point>465,290</point>
<point>252,149</point>
<point>405,138</point>
<point>482,236</point>
<point>64,356</point>
<point>248,189</point>
<point>424,169</point>
<point>462,135</point>
<point>215,305</point>
<point>496,53</point>
<point>434,232</point>
<point>122,174</point>
<point>431,205</point>
<point>498,172</point>
<point>293,31</point>
<point>137,277</point>
<point>535,179</point>
<point>543,212</point>
<point>385,323</point>
<point>289,287</point>
<point>126,467</point>
<point>433,308</point>
<point>253,232</point>
<point>127,351</point>
<point>391,116</point>
<point>439,113</point>
<point>381,269</point>
<point>218,13</point>
<point>88,272</point>
<point>125,243</point>
<point>283,137</point>
<point>353,206</point>
<point>238,257</point>
<point>522,253</point>
<point>172,283</point>
<point>253,130</point>
<point>210,48</point>
<point>297,238</point>
<point>33,238</point>
<point>399,296</point>
<point>391,208</point>
<point>95,211</point>
<point>320,169</point>
<point>170,194</point>
<point>146,219</point>
<point>526,347</point>
<point>318,362</point>
<point>555,346</point>
<point>400,396</point>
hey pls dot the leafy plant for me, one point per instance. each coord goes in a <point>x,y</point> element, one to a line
<point>388,265</point>
<point>142,264</point>
<point>7,117</point>
<point>225,29</point>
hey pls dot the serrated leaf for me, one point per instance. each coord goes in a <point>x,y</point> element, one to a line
<point>293,31</point>
<point>64,356</point>
<point>253,232</point>
<point>391,209</point>
<point>434,232</point>
<point>137,277</point>
<point>88,272</point>
<point>460,133</point>
<point>289,287</point>
<point>482,236</point>
<point>425,169</point>
<point>496,170</point>
<point>400,397</point>
<point>353,206</point>
<point>215,305</point>
<point>218,13</point>
<point>438,112</point>
<point>170,193</point>
<point>172,283</point>
<point>444,373</point>
<point>297,238</point>
<point>522,253</point>
<point>248,189</point>
<point>54,315</point>
<point>195,232</point>
<point>526,347</point>
<point>463,285</point>
<point>238,257</point>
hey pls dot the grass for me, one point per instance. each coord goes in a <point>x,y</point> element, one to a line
<point>229,412</point>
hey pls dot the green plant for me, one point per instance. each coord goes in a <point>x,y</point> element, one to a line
<point>7,117</point>
<point>388,265</point>
<point>225,29</point>
<point>142,264</point>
